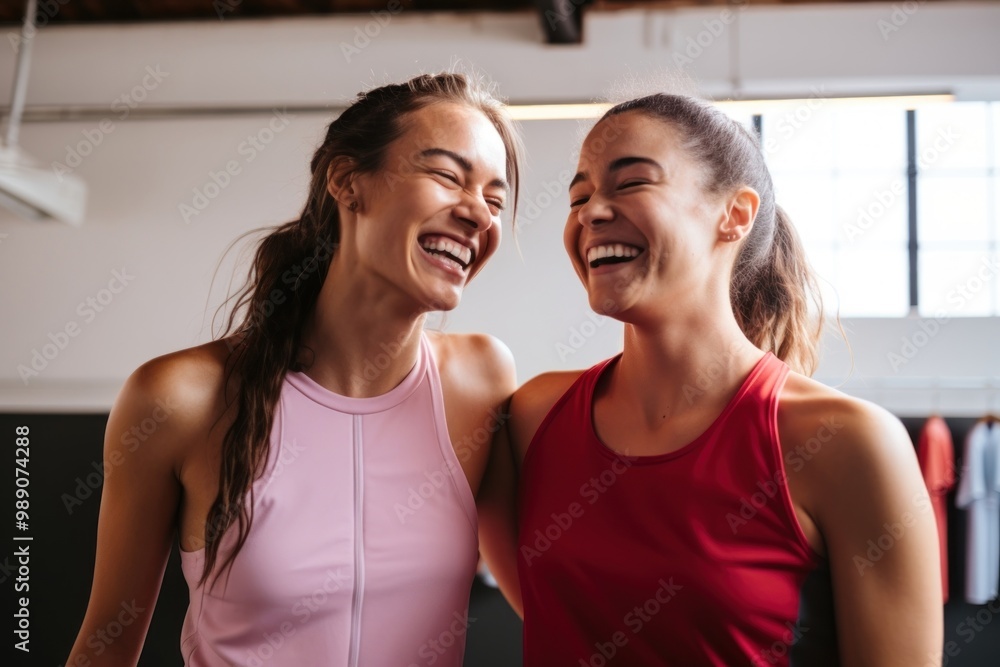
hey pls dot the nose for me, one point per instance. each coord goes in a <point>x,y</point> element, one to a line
<point>594,211</point>
<point>475,212</point>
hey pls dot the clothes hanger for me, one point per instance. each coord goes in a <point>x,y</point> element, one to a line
<point>990,417</point>
<point>935,399</point>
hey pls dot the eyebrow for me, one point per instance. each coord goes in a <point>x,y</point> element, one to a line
<point>464,163</point>
<point>618,165</point>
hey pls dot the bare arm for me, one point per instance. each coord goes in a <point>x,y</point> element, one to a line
<point>525,412</point>
<point>881,538</point>
<point>138,506</point>
<point>498,516</point>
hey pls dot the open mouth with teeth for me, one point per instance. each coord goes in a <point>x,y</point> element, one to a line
<point>612,253</point>
<point>447,250</point>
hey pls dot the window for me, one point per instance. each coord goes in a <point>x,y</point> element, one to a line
<point>845,176</point>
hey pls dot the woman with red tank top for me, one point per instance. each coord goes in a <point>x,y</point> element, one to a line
<point>697,499</point>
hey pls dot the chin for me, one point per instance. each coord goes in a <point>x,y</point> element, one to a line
<point>444,302</point>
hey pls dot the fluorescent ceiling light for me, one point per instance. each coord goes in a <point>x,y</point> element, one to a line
<point>597,109</point>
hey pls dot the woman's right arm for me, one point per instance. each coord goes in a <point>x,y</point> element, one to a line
<point>498,519</point>
<point>139,504</point>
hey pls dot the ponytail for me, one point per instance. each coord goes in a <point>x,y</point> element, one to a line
<point>772,296</point>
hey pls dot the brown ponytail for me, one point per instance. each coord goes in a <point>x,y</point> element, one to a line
<point>289,268</point>
<point>772,286</point>
<point>771,299</point>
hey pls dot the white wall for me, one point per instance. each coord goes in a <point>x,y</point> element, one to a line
<point>141,170</point>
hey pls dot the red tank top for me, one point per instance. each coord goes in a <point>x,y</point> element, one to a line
<point>693,557</point>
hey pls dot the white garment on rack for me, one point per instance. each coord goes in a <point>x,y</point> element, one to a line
<point>979,494</point>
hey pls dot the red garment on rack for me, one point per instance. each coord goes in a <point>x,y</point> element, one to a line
<point>936,454</point>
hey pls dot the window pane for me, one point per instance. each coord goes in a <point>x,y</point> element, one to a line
<point>953,209</point>
<point>952,136</point>
<point>995,131</point>
<point>871,208</point>
<point>870,139</point>
<point>808,200</point>
<point>840,174</point>
<point>873,281</point>
<point>798,138</point>
<point>958,283</point>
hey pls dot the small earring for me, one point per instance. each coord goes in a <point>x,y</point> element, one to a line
<point>353,205</point>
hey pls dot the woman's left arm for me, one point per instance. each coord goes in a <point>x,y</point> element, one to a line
<point>878,525</point>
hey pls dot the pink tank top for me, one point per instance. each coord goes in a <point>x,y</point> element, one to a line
<point>364,541</point>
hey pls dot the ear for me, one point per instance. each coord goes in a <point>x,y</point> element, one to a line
<point>340,177</point>
<point>741,212</point>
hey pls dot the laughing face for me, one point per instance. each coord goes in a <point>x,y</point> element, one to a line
<point>642,233</point>
<point>429,220</point>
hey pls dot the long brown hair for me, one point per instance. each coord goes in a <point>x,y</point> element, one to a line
<point>289,268</point>
<point>772,284</point>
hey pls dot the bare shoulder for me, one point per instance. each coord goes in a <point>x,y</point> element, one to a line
<point>809,409</point>
<point>476,362</point>
<point>532,402</point>
<point>839,444</point>
<point>181,393</point>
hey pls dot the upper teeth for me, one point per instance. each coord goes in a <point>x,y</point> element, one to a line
<point>612,250</point>
<point>443,244</point>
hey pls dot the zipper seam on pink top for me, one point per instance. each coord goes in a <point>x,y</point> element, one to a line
<point>359,554</point>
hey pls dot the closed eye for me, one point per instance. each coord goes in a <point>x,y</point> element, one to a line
<point>629,184</point>
<point>447,174</point>
<point>496,204</point>
<point>579,201</point>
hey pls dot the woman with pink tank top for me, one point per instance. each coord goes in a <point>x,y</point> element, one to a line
<point>697,500</point>
<point>320,465</point>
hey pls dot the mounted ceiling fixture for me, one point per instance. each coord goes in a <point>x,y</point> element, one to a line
<point>27,188</point>
<point>562,20</point>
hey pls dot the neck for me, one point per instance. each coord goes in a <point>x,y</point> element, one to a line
<point>362,337</point>
<point>691,361</point>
